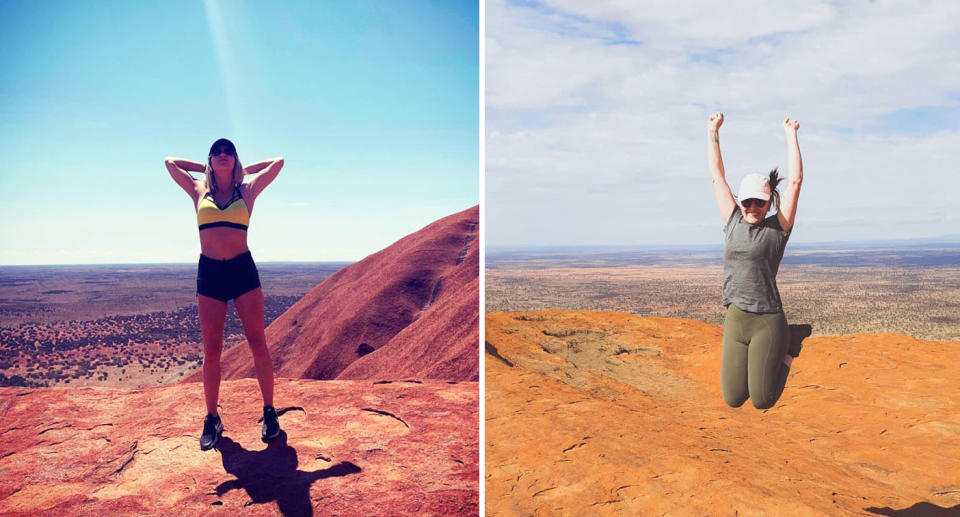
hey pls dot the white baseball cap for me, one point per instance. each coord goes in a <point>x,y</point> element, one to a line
<point>754,186</point>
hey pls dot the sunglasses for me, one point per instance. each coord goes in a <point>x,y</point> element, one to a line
<point>747,203</point>
<point>223,150</point>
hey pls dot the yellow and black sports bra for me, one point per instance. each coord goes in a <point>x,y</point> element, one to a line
<point>234,215</point>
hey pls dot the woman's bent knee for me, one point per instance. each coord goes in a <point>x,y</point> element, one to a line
<point>734,399</point>
<point>763,402</point>
<point>733,403</point>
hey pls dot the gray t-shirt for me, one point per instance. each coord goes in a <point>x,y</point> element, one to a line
<point>751,257</point>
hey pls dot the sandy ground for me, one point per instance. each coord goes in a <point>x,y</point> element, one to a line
<point>605,413</point>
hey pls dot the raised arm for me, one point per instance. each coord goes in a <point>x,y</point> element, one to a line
<point>788,202</point>
<point>721,190</point>
<point>178,167</point>
<point>257,167</point>
<point>257,181</point>
<point>188,165</point>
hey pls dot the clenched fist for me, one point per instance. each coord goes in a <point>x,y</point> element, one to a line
<point>715,121</point>
<point>790,125</point>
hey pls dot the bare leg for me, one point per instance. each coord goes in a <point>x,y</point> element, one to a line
<point>250,309</point>
<point>213,315</point>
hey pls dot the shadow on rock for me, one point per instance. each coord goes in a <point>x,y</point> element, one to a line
<point>798,332</point>
<point>918,510</point>
<point>272,475</point>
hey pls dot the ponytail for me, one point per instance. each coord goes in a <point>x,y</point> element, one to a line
<point>775,180</point>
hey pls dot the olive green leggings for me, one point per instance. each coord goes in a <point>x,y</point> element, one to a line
<point>754,346</point>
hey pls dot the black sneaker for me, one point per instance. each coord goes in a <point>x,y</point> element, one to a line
<point>797,334</point>
<point>212,427</point>
<point>271,426</point>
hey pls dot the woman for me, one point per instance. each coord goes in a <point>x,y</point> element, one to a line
<point>223,201</point>
<point>756,338</point>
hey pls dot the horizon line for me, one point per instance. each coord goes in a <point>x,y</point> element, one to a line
<point>949,241</point>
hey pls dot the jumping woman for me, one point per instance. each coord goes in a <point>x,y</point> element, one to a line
<point>756,338</point>
<point>223,201</point>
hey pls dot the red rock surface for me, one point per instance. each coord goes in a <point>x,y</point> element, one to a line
<point>348,448</point>
<point>416,303</point>
<point>605,413</point>
<point>421,351</point>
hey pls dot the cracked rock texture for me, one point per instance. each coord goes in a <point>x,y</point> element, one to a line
<point>347,448</point>
<point>605,413</point>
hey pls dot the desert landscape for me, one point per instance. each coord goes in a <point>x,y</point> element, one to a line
<point>609,413</point>
<point>377,368</point>
<point>908,291</point>
<point>603,387</point>
<point>127,325</point>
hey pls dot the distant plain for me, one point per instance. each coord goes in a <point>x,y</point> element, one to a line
<point>913,290</point>
<point>132,325</point>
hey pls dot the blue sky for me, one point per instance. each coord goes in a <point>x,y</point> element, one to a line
<point>596,114</point>
<point>373,105</point>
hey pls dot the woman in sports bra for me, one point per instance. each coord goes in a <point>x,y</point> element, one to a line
<point>758,345</point>
<point>223,200</point>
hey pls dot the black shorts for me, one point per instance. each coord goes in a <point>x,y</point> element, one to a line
<point>227,279</point>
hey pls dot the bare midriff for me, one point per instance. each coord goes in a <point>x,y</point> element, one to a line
<point>223,243</point>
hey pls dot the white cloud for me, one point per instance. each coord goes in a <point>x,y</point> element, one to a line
<point>691,25</point>
<point>600,134</point>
